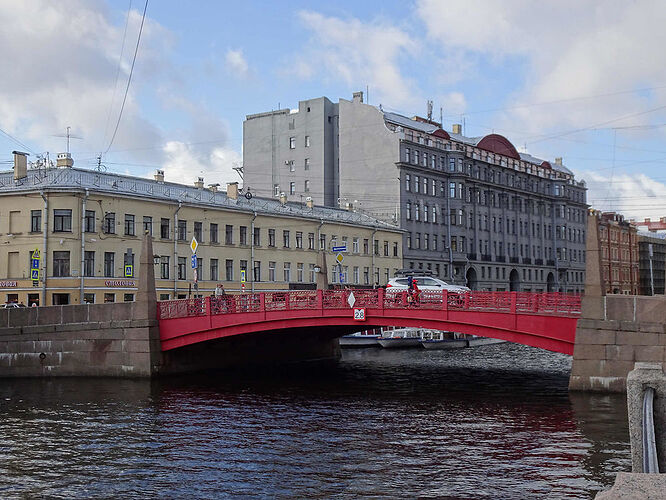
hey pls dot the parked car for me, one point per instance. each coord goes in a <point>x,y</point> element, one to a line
<point>424,283</point>
<point>12,305</point>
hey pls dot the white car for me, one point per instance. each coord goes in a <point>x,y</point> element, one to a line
<point>424,283</point>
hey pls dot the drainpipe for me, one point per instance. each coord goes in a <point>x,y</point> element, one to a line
<point>83,244</point>
<point>175,250</point>
<point>45,229</point>
<point>254,216</point>
<point>321,224</point>
<point>373,258</point>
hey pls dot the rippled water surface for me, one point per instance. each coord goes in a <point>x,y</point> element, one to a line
<point>488,422</point>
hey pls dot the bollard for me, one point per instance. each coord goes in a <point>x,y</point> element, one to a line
<point>646,404</point>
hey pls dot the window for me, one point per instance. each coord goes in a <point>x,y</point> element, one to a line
<point>109,223</point>
<point>356,275</point>
<point>214,238</point>
<point>366,246</point>
<point>386,248</point>
<point>408,211</point>
<point>257,271</point>
<point>452,189</point>
<point>109,298</point>
<point>164,229</point>
<point>312,273</point>
<point>109,264</point>
<point>292,188</point>
<point>306,186</point>
<point>408,179</point>
<point>366,275</point>
<point>425,185</point>
<point>62,221</point>
<point>182,269</point>
<point>128,297</point>
<point>299,272</point>
<point>229,234</point>
<point>417,183</point>
<point>164,267</point>
<point>285,238</point>
<point>129,261</point>
<point>214,271</point>
<point>182,230</point>
<point>229,269</point>
<point>299,239</point>
<point>355,244</point>
<point>395,249</point>
<point>292,166</point>
<point>129,225</point>
<point>89,221</point>
<point>257,237</point>
<point>242,235</point>
<point>276,190</point>
<point>198,231</point>
<point>433,188</point>
<point>375,246</point>
<point>306,164</point>
<point>271,271</point>
<point>36,221</point>
<point>322,241</point>
<point>271,239</point>
<point>148,225</point>
<point>426,211</point>
<point>292,143</point>
<point>307,141</point>
<point>287,272</point>
<point>89,264</point>
<point>311,241</point>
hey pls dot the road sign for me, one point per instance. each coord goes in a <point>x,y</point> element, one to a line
<point>359,314</point>
<point>339,258</point>
<point>35,254</point>
<point>194,261</point>
<point>34,264</point>
<point>342,248</point>
<point>342,277</point>
<point>242,275</point>
<point>129,270</point>
<point>194,244</point>
<point>34,274</point>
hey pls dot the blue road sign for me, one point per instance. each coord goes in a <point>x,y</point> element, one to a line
<point>342,277</point>
<point>34,274</point>
<point>34,264</point>
<point>194,261</point>
<point>342,248</point>
<point>242,275</point>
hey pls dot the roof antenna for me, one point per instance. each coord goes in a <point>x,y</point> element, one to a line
<point>429,106</point>
<point>68,136</point>
<point>441,117</point>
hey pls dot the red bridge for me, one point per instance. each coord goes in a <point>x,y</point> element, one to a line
<point>544,320</point>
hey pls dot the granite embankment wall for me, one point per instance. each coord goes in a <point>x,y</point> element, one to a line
<point>78,340</point>
<point>627,329</point>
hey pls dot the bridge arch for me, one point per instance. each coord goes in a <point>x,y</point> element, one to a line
<point>550,283</point>
<point>472,279</point>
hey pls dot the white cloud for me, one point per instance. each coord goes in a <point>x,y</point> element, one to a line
<point>236,63</point>
<point>453,103</point>
<point>635,195</point>
<point>360,54</point>
<point>565,50</point>
<point>185,163</point>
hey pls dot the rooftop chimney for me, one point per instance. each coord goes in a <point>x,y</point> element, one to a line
<point>213,187</point>
<point>232,190</point>
<point>64,160</point>
<point>199,184</point>
<point>457,128</point>
<point>558,161</point>
<point>357,97</point>
<point>309,202</point>
<point>283,198</point>
<point>159,175</point>
<point>20,165</point>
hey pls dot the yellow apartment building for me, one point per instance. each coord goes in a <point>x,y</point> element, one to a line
<point>71,236</point>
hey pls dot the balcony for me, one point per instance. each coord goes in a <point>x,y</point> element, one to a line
<point>514,260</point>
<point>500,258</point>
<point>550,262</point>
<point>486,258</point>
<point>538,262</point>
<point>471,256</point>
<point>527,260</point>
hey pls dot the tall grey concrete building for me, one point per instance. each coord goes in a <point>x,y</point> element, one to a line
<point>475,211</point>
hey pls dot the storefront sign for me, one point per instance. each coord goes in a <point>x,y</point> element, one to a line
<point>8,284</point>
<point>119,283</point>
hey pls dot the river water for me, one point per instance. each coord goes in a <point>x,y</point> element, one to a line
<point>487,422</point>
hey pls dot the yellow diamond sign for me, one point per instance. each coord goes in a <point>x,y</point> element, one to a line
<point>339,258</point>
<point>194,244</point>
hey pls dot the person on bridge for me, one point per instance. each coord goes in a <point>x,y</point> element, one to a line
<point>416,293</point>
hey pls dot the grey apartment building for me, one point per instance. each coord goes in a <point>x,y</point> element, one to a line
<point>474,210</point>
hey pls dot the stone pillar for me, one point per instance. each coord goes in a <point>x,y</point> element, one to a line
<point>593,302</point>
<point>642,376</point>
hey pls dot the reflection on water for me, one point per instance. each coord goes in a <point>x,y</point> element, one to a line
<point>489,422</point>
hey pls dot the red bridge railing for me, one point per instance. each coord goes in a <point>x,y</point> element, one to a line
<point>556,304</point>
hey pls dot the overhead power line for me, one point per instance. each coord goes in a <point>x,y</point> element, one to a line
<point>23,146</point>
<point>129,79</point>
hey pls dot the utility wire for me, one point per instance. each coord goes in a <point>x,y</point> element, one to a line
<point>120,60</point>
<point>129,79</point>
<point>17,141</point>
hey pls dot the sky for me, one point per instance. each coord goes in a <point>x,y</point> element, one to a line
<point>585,81</point>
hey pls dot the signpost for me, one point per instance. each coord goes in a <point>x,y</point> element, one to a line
<point>34,267</point>
<point>129,270</point>
<point>243,279</point>
<point>341,248</point>
<point>194,244</point>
